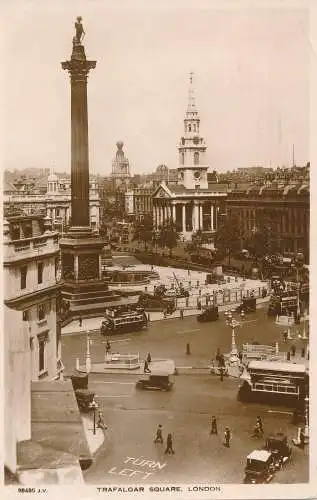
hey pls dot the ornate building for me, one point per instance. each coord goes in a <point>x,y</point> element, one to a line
<point>192,204</point>
<point>284,205</point>
<point>138,202</point>
<point>32,347</point>
<point>120,168</point>
<point>56,202</point>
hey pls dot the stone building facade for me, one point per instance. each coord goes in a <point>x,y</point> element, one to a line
<point>285,205</point>
<point>32,347</point>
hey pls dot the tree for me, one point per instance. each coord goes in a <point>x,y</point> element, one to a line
<point>230,235</point>
<point>264,239</point>
<point>143,230</point>
<point>168,235</point>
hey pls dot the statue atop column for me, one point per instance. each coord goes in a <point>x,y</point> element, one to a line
<point>80,33</point>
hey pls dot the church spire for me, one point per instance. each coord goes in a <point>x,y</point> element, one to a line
<point>191,108</point>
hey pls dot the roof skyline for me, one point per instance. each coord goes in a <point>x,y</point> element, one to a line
<point>253,105</point>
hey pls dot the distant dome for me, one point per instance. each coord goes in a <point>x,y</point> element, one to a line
<point>52,178</point>
<point>162,168</point>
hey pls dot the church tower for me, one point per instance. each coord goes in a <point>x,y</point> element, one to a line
<point>192,171</point>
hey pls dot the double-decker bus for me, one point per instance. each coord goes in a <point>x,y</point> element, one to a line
<point>124,320</point>
<point>279,381</point>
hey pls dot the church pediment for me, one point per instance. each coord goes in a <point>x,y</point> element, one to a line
<point>161,193</point>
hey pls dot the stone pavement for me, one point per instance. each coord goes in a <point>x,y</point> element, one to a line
<point>95,441</point>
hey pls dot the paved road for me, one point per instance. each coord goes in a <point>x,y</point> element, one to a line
<point>129,455</point>
<point>133,416</point>
<point>168,339</point>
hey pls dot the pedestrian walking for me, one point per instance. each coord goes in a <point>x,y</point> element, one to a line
<point>169,445</point>
<point>108,347</point>
<point>146,367</point>
<point>181,314</point>
<point>149,358</point>
<point>159,437</point>
<point>293,349</point>
<point>259,421</point>
<point>227,437</point>
<point>285,335</point>
<point>100,423</point>
<point>213,429</point>
<point>80,321</point>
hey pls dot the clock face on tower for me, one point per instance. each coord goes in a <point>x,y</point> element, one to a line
<point>197,174</point>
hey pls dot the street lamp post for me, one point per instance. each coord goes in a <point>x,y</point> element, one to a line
<point>234,355</point>
<point>88,358</point>
<point>94,406</point>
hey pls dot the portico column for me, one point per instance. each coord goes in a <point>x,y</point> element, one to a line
<point>212,217</point>
<point>161,216</point>
<point>200,216</point>
<point>195,216</point>
<point>174,213</point>
<point>184,218</point>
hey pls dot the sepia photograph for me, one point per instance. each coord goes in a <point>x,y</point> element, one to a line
<point>156,249</point>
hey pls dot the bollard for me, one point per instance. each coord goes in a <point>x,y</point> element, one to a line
<point>188,348</point>
<point>303,352</point>
<point>288,356</point>
<point>77,364</point>
<point>148,317</point>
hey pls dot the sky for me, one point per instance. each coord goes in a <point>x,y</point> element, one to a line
<point>251,82</point>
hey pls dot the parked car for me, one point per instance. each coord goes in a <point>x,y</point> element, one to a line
<point>259,468</point>
<point>157,381</point>
<point>278,445</point>
<point>209,314</point>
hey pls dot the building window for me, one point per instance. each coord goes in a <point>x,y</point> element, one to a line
<point>182,158</point>
<point>41,312</point>
<point>189,128</point>
<point>194,128</point>
<point>196,158</point>
<point>40,267</point>
<point>25,315</point>
<point>57,212</point>
<point>24,271</point>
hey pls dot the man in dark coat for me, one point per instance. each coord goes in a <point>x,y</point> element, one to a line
<point>213,429</point>
<point>227,437</point>
<point>169,445</point>
<point>146,367</point>
<point>159,436</point>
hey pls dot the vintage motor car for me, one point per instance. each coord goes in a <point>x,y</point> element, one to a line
<point>248,305</point>
<point>259,468</point>
<point>156,381</point>
<point>278,445</point>
<point>209,314</point>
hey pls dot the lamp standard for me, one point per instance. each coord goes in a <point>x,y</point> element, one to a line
<point>88,358</point>
<point>232,323</point>
<point>94,406</point>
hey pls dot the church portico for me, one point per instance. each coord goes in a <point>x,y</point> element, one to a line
<point>192,204</point>
<point>190,211</point>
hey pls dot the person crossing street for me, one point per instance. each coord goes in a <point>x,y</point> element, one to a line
<point>159,436</point>
<point>213,429</point>
<point>227,437</point>
<point>169,445</point>
<point>146,367</point>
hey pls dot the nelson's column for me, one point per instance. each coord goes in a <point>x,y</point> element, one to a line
<point>84,291</point>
